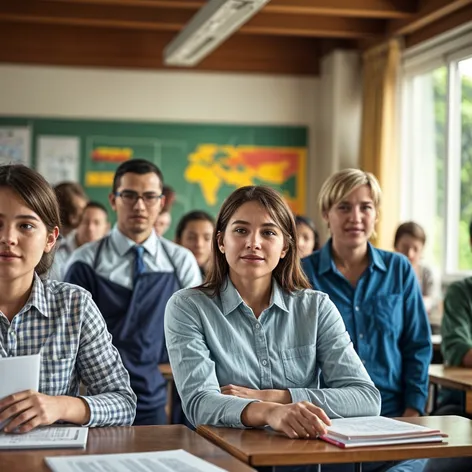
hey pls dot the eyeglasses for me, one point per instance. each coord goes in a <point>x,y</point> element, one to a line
<point>130,197</point>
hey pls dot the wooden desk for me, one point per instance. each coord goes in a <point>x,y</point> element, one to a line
<point>459,378</point>
<point>265,448</point>
<point>126,439</point>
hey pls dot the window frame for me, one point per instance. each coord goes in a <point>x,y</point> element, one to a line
<point>447,50</point>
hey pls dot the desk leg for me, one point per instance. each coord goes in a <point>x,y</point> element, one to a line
<point>358,467</point>
<point>468,402</point>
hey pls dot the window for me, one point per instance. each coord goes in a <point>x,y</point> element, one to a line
<point>437,153</point>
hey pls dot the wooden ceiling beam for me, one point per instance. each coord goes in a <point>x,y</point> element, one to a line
<point>314,26</point>
<point>355,8</point>
<point>429,12</point>
<point>166,19</point>
<point>99,47</point>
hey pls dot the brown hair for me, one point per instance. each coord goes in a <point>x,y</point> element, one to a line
<point>66,193</point>
<point>288,273</point>
<point>412,229</point>
<point>38,195</point>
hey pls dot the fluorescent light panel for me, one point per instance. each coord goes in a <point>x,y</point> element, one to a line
<point>210,26</point>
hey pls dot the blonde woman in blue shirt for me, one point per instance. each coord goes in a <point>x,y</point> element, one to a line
<point>58,320</point>
<point>248,346</point>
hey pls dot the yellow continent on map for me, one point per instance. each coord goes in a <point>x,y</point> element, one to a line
<point>212,166</point>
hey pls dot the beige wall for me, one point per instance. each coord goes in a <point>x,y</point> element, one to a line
<point>328,106</point>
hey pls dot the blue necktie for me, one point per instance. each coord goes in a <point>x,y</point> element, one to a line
<point>139,266</point>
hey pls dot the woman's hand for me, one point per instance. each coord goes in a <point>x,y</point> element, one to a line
<point>269,395</point>
<point>298,420</point>
<point>29,409</point>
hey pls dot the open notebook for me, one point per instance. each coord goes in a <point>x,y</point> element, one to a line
<point>378,431</point>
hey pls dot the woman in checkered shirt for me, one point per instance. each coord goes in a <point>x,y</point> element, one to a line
<point>58,320</point>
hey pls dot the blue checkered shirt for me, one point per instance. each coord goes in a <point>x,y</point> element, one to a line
<point>62,322</point>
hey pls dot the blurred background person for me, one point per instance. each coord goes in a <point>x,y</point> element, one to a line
<point>410,239</point>
<point>195,231</point>
<point>72,200</point>
<point>308,236</point>
<point>163,222</point>
<point>94,225</point>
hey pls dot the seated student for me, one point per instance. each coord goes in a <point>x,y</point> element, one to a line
<point>72,200</point>
<point>195,232</point>
<point>131,274</point>
<point>93,226</point>
<point>307,236</point>
<point>410,239</point>
<point>376,292</point>
<point>58,320</point>
<point>248,346</point>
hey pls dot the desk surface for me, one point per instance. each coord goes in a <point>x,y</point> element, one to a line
<point>126,439</point>
<point>259,447</point>
<point>451,377</point>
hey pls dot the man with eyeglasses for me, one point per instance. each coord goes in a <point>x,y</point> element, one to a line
<point>131,274</point>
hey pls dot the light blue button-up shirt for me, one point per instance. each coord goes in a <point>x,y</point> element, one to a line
<point>216,341</point>
<point>387,321</point>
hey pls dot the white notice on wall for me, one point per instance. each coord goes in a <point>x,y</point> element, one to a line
<point>58,158</point>
<point>15,145</point>
<point>164,461</point>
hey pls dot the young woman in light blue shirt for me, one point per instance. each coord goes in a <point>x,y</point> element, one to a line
<point>247,348</point>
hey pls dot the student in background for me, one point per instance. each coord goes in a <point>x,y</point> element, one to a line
<point>72,200</point>
<point>195,232</point>
<point>410,239</point>
<point>307,236</point>
<point>163,222</point>
<point>131,274</point>
<point>94,225</point>
<point>247,347</point>
<point>376,291</point>
<point>58,320</point>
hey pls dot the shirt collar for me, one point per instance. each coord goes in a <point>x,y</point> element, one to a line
<point>123,244</point>
<point>231,299</point>
<point>38,297</point>
<point>327,262</point>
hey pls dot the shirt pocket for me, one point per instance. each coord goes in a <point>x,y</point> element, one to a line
<point>300,364</point>
<point>55,375</point>
<point>387,312</point>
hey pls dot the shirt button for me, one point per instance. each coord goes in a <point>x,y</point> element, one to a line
<point>12,334</point>
<point>264,362</point>
<point>357,308</point>
<point>361,336</point>
<point>363,361</point>
<point>258,326</point>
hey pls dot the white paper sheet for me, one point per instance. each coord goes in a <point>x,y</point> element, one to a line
<point>58,158</point>
<point>50,437</point>
<point>18,374</point>
<point>15,145</point>
<point>163,461</point>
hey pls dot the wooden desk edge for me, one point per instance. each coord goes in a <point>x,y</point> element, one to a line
<point>400,453</point>
<point>448,383</point>
<point>205,432</point>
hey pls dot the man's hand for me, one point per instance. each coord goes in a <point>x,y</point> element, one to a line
<point>410,413</point>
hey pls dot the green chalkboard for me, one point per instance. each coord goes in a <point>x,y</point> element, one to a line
<point>204,163</point>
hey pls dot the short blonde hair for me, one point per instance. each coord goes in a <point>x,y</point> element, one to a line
<point>342,183</point>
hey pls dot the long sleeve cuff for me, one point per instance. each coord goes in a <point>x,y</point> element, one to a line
<point>299,395</point>
<point>232,415</point>
<point>416,401</point>
<point>109,410</point>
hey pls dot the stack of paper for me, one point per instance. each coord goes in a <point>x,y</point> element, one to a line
<point>378,431</point>
<point>50,437</point>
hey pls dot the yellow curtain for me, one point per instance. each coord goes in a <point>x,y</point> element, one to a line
<point>379,147</point>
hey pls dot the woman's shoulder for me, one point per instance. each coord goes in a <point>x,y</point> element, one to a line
<point>57,290</point>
